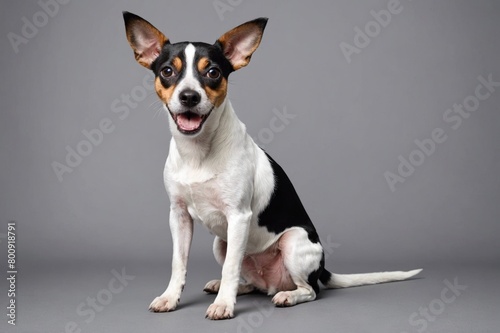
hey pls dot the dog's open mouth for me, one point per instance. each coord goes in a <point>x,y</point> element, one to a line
<point>189,122</point>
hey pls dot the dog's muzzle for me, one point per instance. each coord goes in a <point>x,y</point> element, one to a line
<point>189,122</point>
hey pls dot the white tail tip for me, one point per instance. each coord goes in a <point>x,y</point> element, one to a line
<point>353,280</point>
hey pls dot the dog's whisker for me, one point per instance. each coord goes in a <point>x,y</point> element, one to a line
<point>155,104</point>
<point>159,111</point>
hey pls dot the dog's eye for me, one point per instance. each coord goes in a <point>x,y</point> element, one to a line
<point>167,72</point>
<point>213,73</point>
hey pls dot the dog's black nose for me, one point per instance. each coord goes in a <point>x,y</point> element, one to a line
<point>189,98</point>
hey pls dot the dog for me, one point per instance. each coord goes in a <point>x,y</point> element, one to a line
<point>216,175</point>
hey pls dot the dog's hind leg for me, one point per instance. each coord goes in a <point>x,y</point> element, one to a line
<point>303,260</point>
<point>212,287</point>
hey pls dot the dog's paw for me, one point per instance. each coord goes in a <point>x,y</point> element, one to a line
<point>163,304</point>
<point>212,287</point>
<point>284,298</point>
<point>218,311</point>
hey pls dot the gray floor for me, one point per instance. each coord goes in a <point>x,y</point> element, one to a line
<point>58,299</point>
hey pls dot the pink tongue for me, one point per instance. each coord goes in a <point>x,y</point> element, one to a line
<point>188,122</point>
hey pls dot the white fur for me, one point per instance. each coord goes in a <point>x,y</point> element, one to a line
<point>301,257</point>
<point>235,176</point>
<point>223,180</point>
<point>353,280</point>
<point>191,83</point>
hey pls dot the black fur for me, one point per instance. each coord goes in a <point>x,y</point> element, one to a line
<point>285,210</point>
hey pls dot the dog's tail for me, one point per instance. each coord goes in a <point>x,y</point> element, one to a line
<point>331,280</point>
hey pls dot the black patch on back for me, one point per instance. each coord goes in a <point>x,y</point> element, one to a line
<point>285,210</point>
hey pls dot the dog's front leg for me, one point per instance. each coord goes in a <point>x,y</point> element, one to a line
<point>181,227</point>
<point>237,236</point>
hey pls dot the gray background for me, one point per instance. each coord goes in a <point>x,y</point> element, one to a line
<point>352,121</point>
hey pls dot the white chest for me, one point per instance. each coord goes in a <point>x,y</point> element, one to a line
<point>205,204</point>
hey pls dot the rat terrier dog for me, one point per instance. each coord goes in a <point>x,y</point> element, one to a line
<point>216,175</point>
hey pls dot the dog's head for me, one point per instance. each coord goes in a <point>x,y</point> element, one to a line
<point>191,78</point>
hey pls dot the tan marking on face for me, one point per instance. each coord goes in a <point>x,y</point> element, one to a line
<point>216,96</point>
<point>177,63</point>
<point>203,64</point>
<point>165,94</point>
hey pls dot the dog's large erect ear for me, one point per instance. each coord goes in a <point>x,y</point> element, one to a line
<point>144,38</point>
<point>241,42</point>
